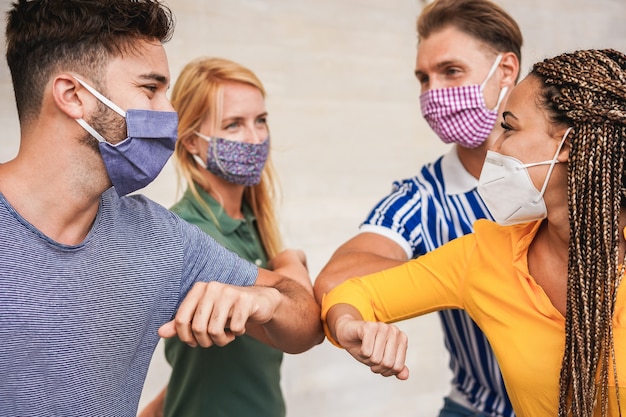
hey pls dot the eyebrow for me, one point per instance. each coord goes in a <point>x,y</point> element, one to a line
<point>439,66</point>
<point>153,76</point>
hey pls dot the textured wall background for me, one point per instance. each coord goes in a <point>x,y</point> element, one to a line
<point>345,122</point>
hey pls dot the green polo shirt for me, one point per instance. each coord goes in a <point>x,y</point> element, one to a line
<point>241,379</point>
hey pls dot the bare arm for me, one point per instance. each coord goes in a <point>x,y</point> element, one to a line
<point>214,313</point>
<point>365,253</point>
<point>296,327</point>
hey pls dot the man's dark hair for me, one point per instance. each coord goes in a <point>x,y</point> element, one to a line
<point>45,36</point>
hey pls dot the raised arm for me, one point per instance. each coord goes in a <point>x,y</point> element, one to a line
<point>296,325</point>
<point>279,310</point>
<point>380,346</point>
<point>363,254</point>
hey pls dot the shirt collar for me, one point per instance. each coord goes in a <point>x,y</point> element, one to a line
<point>456,178</point>
<point>226,223</point>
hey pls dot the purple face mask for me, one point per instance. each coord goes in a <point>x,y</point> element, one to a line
<point>237,162</point>
<point>459,114</point>
<point>137,160</point>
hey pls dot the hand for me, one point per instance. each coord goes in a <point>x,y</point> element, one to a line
<point>380,346</point>
<point>214,313</point>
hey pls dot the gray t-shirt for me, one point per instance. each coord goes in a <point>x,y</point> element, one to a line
<point>78,324</point>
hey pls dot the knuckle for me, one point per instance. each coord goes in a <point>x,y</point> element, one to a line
<point>197,328</point>
<point>179,321</point>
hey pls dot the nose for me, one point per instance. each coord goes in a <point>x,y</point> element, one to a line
<point>434,83</point>
<point>256,134</point>
<point>497,144</point>
<point>163,104</point>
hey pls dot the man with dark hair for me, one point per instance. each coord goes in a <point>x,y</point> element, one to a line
<point>89,274</point>
<point>468,60</point>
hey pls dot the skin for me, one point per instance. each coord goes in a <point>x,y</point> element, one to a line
<point>447,58</point>
<point>244,119</point>
<point>65,165</point>
<point>530,138</point>
<point>55,164</point>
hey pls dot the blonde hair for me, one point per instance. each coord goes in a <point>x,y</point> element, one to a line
<point>197,94</point>
<point>587,90</point>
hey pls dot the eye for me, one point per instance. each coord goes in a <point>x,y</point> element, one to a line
<point>452,71</point>
<point>262,120</point>
<point>506,126</point>
<point>231,126</point>
<point>152,88</point>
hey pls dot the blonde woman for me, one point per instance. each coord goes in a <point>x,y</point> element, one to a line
<point>223,155</point>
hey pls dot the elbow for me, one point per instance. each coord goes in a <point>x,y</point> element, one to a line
<point>323,284</point>
<point>306,343</point>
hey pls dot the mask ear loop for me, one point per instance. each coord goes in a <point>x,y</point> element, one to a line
<point>213,146</point>
<point>91,130</point>
<point>104,100</point>
<point>215,157</point>
<point>493,69</point>
<point>199,160</point>
<point>196,157</point>
<point>553,162</point>
<point>117,109</point>
<point>501,97</point>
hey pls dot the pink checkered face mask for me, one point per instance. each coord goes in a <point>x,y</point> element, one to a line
<point>459,114</point>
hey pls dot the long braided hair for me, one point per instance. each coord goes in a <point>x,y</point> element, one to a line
<point>587,90</point>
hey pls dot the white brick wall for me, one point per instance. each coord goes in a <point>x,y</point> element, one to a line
<point>345,122</point>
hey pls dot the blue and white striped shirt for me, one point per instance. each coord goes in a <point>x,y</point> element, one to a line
<point>78,324</point>
<point>422,213</point>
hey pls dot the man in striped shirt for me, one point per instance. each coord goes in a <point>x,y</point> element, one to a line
<point>467,61</point>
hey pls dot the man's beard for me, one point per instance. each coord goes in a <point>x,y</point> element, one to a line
<point>109,124</point>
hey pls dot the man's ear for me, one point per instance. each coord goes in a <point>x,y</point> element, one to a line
<point>66,93</point>
<point>509,66</point>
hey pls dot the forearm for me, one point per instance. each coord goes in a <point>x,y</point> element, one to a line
<point>295,325</point>
<point>335,314</point>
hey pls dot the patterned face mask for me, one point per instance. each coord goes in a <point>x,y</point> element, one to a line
<point>237,162</point>
<point>459,114</point>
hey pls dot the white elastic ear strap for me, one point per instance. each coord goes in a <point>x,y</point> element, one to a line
<point>493,69</point>
<point>91,130</point>
<point>213,141</point>
<point>501,97</point>
<point>554,161</point>
<point>102,98</point>
<point>199,161</point>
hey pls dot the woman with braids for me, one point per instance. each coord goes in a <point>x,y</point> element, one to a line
<point>542,282</point>
<point>223,154</point>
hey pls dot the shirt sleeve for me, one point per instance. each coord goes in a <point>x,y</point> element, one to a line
<point>432,282</point>
<point>398,217</point>
<point>206,260</point>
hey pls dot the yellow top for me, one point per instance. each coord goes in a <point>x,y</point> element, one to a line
<point>486,274</point>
